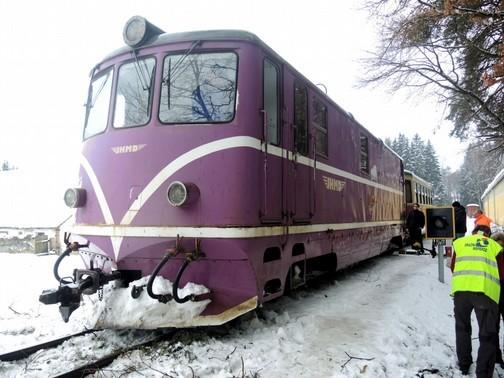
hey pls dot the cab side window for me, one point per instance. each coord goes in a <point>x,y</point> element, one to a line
<point>270,98</point>
<point>364,154</point>
<point>300,119</point>
<point>320,126</point>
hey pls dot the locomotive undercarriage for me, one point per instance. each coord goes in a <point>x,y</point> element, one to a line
<point>255,278</point>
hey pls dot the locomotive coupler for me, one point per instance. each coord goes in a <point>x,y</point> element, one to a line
<point>69,295</point>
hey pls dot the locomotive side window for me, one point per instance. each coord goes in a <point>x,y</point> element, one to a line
<point>320,123</point>
<point>409,199</point>
<point>271,101</point>
<point>133,96</point>
<point>97,106</point>
<point>300,119</point>
<point>364,154</point>
<point>198,88</point>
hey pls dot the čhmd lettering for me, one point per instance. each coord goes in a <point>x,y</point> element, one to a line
<point>128,149</point>
<point>333,184</point>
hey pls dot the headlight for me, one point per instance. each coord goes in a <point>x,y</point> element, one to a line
<point>138,30</point>
<point>75,197</point>
<point>180,194</point>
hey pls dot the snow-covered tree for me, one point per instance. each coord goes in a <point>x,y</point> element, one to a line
<point>433,175</point>
<point>421,158</point>
<point>478,170</point>
<point>417,157</point>
<point>401,146</point>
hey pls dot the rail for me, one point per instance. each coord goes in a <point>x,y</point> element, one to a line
<point>25,352</point>
<point>94,366</point>
<point>88,368</point>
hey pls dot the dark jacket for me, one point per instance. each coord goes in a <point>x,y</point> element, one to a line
<point>415,219</point>
<point>460,219</point>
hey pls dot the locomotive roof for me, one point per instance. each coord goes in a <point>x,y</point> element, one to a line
<point>417,178</point>
<point>213,35</point>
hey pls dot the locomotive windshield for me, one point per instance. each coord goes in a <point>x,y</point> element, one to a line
<point>198,88</point>
<point>98,104</point>
<point>132,105</point>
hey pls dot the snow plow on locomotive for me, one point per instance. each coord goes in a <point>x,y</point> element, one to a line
<point>208,160</point>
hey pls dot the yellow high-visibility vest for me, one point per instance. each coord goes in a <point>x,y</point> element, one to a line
<point>476,266</point>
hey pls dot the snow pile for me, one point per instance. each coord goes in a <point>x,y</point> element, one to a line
<point>118,309</point>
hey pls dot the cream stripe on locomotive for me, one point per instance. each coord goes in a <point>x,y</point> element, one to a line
<point>219,232</point>
<point>197,153</point>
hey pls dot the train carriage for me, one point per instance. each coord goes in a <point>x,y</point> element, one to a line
<point>493,200</point>
<point>416,190</point>
<point>207,158</point>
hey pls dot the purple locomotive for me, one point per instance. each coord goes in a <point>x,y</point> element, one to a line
<point>208,159</point>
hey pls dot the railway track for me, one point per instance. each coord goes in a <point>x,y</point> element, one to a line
<point>94,366</point>
<point>25,352</point>
<point>87,368</point>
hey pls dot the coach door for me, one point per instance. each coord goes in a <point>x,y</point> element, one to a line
<point>271,209</point>
<point>302,170</point>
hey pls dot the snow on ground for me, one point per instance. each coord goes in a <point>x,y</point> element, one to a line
<point>391,314</point>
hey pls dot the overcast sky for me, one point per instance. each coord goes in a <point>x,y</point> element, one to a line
<point>49,48</point>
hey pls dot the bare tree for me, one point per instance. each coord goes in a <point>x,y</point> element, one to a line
<point>453,49</point>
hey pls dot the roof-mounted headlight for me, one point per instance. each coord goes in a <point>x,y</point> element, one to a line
<point>180,194</point>
<point>138,30</point>
<point>75,197</point>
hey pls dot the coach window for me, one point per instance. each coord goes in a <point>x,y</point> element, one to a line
<point>300,119</point>
<point>97,107</point>
<point>134,92</point>
<point>320,123</point>
<point>271,101</point>
<point>364,154</point>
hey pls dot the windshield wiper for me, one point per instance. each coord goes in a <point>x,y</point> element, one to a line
<point>141,73</point>
<point>167,80</point>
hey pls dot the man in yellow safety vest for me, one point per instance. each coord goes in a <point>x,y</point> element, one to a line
<point>476,286</point>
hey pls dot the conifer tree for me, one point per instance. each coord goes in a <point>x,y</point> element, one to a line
<point>417,157</point>
<point>401,146</point>
<point>420,158</point>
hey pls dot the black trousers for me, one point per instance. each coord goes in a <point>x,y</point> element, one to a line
<point>415,235</point>
<point>501,315</point>
<point>487,313</point>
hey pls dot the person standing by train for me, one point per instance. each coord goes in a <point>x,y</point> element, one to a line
<point>460,220</point>
<point>482,220</point>
<point>415,222</point>
<point>476,286</point>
